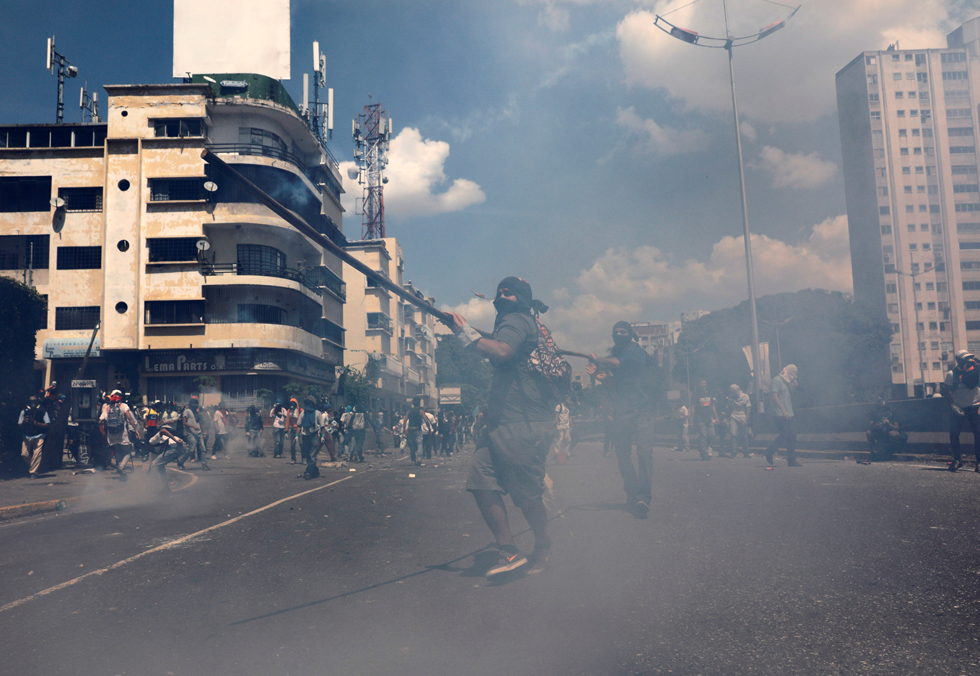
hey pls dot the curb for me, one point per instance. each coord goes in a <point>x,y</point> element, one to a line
<point>29,508</point>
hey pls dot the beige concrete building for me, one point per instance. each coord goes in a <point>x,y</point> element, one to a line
<point>397,336</point>
<point>908,122</point>
<point>187,275</point>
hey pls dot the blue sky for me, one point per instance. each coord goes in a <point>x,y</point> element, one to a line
<point>568,142</point>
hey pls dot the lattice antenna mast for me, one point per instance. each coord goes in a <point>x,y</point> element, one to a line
<point>319,116</point>
<point>372,131</point>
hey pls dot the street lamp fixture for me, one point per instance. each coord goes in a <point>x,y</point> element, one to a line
<point>728,43</point>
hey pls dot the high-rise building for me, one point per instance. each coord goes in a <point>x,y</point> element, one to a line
<point>393,334</point>
<point>908,124</point>
<point>192,281</point>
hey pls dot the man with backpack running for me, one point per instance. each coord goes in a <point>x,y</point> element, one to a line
<point>961,388</point>
<point>520,425</point>
<point>192,432</point>
<point>113,425</point>
<point>627,371</point>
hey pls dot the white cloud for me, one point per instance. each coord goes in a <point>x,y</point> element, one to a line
<point>790,75</point>
<point>658,140</point>
<point>415,173</point>
<point>478,311</point>
<point>636,284</point>
<point>795,170</point>
<point>748,131</point>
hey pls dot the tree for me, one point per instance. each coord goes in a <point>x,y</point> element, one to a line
<point>840,348</point>
<point>459,366</point>
<point>24,312</point>
<point>356,387</point>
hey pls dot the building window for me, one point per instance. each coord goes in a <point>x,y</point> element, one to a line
<point>922,77</point>
<point>964,187</point>
<point>177,189</point>
<point>969,265</point>
<point>968,227</point>
<point>25,193</point>
<point>899,113</point>
<point>874,98</point>
<point>971,286</point>
<point>952,75</point>
<point>76,318</point>
<point>973,326</point>
<point>257,259</point>
<point>891,288</point>
<point>916,132</point>
<point>260,137</point>
<point>919,170</point>
<point>908,190</point>
<point>166,249</point>
<point>179,127</point>
<point>331,331</point>
<point>906,171</point>
<point>965,207</point>
<point>910,209</point>
<point>961,169</point>
<point>903,151</point>
<point>255,313</point>
<point>962,150</point>
<point>971,305</point>
<point>883,191</point>
<point>884,211</point>
<point>933,208</point>
<point>952,57</point>
<point>877,135</point>
<point>872,79</point>
<point>930,306</point>
<point>876,116</point>
<point>870,60</point>
<point>926,246</point>
<point>917,151</point>
<point>892,308</point>
<point>378,321</point>
<point>961,131</point>
<point>886,230</point>
<point>81,199</point>
<point>930,286</point>
<point>899,95</point>
<point>896,368</point>
<point>22,252</point>
<point>159,312</point>
<point>79,257</point>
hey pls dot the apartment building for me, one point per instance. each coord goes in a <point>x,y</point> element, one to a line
<point>908,122</point>
<point>123,225</point>
<point>394,334</point>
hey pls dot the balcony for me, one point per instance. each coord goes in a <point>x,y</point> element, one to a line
<point>329,331</point>
<point>316,175</point>
<point>412,376</point>
<point>310,282</point>
<point>379,321</point>
<point>329,280</point>
<point>388,365</point>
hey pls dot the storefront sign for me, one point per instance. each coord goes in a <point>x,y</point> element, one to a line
<point>69,348</point>
<point>183,362</point>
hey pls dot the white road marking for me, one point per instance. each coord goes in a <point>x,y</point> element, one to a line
<point>168,545</point>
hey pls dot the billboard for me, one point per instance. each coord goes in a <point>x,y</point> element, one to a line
<point>232,36</point>
<point>449,395</point>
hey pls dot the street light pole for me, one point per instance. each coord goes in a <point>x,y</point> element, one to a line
<point>749,271</point>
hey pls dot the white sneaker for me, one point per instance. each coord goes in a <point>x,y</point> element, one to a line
<point>214,457</point>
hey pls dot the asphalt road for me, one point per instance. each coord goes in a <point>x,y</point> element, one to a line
<point>831,568</point>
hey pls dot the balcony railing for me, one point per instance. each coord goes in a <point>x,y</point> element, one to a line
<point>329,280</point>
<point>257,149</point>
<point>389,365</point>
<point>209,269</point>
<point>379,321</point>
<point>330,331</point>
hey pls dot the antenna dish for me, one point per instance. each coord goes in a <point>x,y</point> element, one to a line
<point>352,173</point>
<point>71,71</point>
<point>203,244</point>
<point>210,79</point>
<point>57,202</point>
<point>210,186</point>
<point>385,180</point>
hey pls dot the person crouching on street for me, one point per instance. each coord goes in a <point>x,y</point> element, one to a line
<point>520,426</point>
<point>167,447</point>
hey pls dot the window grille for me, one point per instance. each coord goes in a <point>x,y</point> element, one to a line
<point>19,252</point>
<point>179,127</point>
<point>76,318</point>
<point>257,259</point>
<point>165,249</point>
<point>79,257</point>
<point>174,312</point>
<point>25,193</point>
<point>255,313</point>
<point>177,189</point>
<point>81,199</point>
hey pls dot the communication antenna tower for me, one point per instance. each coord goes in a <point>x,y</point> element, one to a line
<point>65,69</point>
<point>372,131</point>
<point>89,104</point>
<point>319,120</point>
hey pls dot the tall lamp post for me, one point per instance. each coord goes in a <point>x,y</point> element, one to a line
<point>728,43</point>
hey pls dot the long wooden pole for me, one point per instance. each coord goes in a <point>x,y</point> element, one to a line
<point>297,222</point>
<point>300,224</point>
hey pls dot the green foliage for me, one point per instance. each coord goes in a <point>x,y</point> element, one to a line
<point>265,396</point>
<point>23,310</point>
<point>356,387</point>
<point>455,365</point>
<point>839,348</point>
<point>205,384</point>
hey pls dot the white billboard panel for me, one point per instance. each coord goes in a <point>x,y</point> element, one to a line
<point>232,36</point>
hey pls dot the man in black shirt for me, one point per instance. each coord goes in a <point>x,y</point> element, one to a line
<point>513,445</point>
<point>627,371</point>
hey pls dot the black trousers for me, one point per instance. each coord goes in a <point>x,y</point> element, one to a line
<point>956,421</point>
<point>786,437</point>
<point>637,480</point>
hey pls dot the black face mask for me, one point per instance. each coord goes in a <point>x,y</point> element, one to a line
<point>621,340</point>
<point>504,306</point>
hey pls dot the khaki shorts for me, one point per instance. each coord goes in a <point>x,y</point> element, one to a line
<point>510,459</point>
